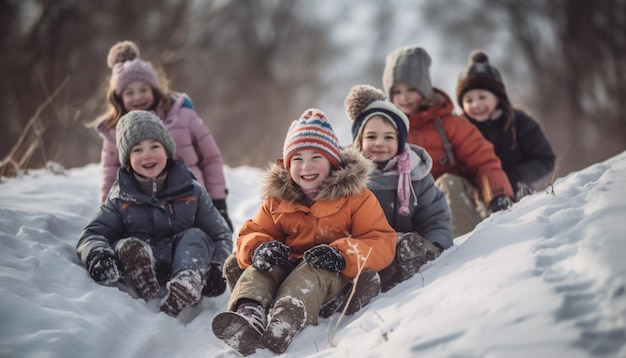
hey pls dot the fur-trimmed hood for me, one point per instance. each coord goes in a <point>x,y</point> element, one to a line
<point>352,178</point>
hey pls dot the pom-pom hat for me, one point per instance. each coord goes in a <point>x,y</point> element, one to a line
<point>364,102</point>
<point>136,126</point>
<point>480,74</point>
<point>312,131</point>
<point>123,59</point>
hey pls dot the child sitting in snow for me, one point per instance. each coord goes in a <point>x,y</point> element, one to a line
<point>518,141</point>
<point>402,182</point>
<point>158,225</point>
<point>317,225</point>
<point>134,85</point>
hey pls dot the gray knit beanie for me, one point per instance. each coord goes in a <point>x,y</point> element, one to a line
<point>136,126</point>
<point>408,65</point>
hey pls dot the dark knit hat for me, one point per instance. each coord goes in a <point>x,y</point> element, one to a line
<point>480,74</point>
<point>123,59</point>
<point>312,131</point>
<point>136,126</point>
<point>408,65</point>
<point>364,102</point>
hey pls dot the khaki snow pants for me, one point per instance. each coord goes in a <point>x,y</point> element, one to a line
<point>466,207</point>
<point>294,279</point>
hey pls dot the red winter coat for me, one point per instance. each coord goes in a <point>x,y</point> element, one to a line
<point>474,156</point>
<point>195,145</point>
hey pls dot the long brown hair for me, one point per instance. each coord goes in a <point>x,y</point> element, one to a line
<point>115,111</point>
<point>508,114</point>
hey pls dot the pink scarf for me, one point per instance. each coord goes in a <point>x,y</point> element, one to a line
<point>403,163</point>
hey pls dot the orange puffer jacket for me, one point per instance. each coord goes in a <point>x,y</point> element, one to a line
<point>345,215</point>
<point>474,156</point>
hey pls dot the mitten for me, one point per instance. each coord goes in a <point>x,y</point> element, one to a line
<point>103,267</point>
<point>325,257</point>
<point>268,254</point>
<point>220,204</point>
<point>214,282</point>
<point>500,203</point>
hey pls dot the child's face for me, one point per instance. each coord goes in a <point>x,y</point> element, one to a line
<point>309,168</point>
<point>138,96</point>
<point>479,104</point>
<point>406,97</point>
<point>148,158</point>
<point>379,140</point>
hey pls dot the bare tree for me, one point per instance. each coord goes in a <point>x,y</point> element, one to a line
<point>250,68</point>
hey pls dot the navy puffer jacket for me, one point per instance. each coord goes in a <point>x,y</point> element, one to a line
<point>182,205</point>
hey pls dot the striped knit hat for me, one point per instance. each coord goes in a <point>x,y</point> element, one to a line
<point>312,131</point>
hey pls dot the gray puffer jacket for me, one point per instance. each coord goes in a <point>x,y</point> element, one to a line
<point>429,212</point>
<point>183,207</point>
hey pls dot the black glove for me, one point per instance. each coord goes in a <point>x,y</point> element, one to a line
<point>214,282</point>
<point>325,257</point>
<point>268,254</point>
<point>220,204</point>
<point>500,203</point>
<point>103,267</point>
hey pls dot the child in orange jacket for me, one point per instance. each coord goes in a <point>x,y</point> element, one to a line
<point>318,223</point>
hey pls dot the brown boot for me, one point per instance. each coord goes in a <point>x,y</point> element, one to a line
<point>412,252</point>
<point>138,265</point>
<point>367,287</point>
<point>183,290</point>
<point>242,330</point>
<point>287,318</point>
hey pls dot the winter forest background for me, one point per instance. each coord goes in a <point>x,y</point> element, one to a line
<point>251,67</point>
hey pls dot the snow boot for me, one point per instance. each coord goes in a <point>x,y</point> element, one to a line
<point>330,307</point>
<point>287,318</point>
<point>183,290</point>
<point>138,265</point>
<point>242,330</point>
<point>367,287</point>
<point>412,252</point>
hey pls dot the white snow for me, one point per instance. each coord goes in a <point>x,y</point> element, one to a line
<point>545,279</point>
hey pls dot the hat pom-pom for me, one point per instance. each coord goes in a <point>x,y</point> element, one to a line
<point>478,56</point>
<point>359,97</point>
<point>122,52</point>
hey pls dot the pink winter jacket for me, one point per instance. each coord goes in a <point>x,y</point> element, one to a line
<point>194,144</point>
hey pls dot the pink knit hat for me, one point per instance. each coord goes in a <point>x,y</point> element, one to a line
<point>123,59</point>
<point>312,131</point>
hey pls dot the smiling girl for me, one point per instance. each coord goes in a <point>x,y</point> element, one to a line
<point>402,183</point>
<point>134,85</point>
<point>518,140</point>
